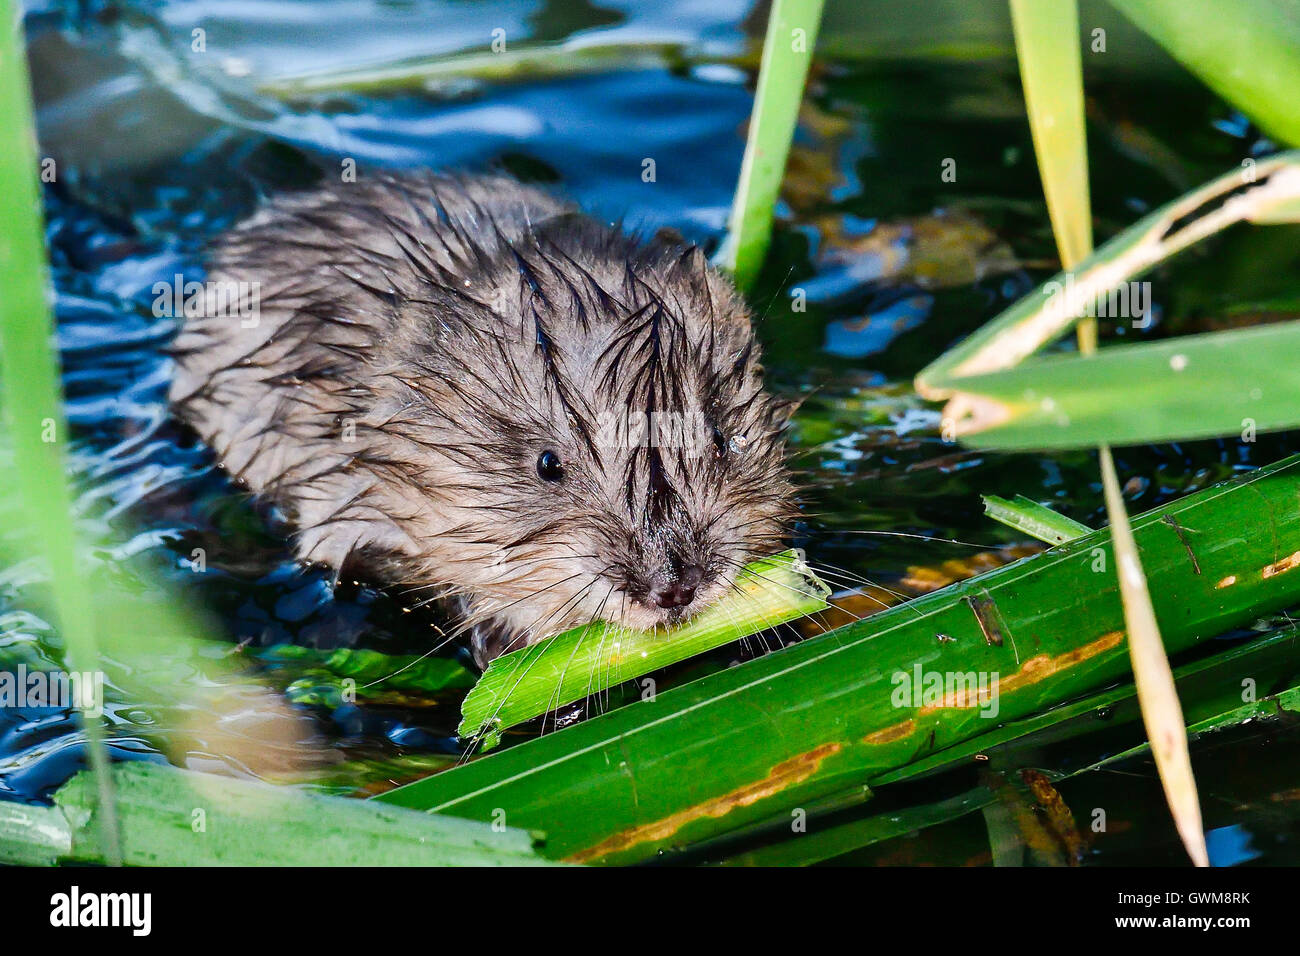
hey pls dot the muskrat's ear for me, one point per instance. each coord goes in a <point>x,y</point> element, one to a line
<point>668,236</point>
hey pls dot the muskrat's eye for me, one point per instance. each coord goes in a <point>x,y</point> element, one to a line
<point>549,467</point>
<point>719,442</point>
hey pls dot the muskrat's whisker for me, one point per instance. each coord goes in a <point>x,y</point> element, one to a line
<point>846,586</point>
<point>749,524</point>
<point>493,608</point>
<point>810,615</point>
<point>744,641</point>
<point>756,577</point>
<point>447,639</point>
<point>745,595</point>
<point>587,698</point>
<point>837,607</point>
<point>429,652</point>
<point>814,616</point>
<point>834,572</point>
<point>527,563</point>
<point>553,702</point>
<point>934,539</point>
<point>735,624</point>
<point>599,658</point>
<point>775,296</point>
<point>849,588</point>
<point>856,588</point>
<point>501,701</point>
<point>609,665</point>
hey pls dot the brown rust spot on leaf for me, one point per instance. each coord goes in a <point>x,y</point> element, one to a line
<point>785,774</point>
<point>891,733</point>
<point>1288,563</point>
<point>1032,671</point>
<point>1044,666</point>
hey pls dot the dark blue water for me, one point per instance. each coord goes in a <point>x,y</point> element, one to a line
<point>159,147</point>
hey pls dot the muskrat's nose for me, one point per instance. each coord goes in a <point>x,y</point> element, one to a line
<point>680,592</point>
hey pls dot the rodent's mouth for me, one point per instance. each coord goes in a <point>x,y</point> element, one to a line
<point>642,614</point>
<point>678,615</point>
<point>639,617</point>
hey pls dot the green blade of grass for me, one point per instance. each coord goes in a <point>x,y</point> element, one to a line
<point>589,660</point>
<point>33,411</point>
<point>1247,51</point>
<point>787,53</point>
<point>821,719</point>
<point>1047,49</point>
<point>1238,382</point>
<point>1268,193</point>
<point>1034,519</point>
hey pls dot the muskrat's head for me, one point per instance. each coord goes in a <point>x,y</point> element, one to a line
<point>606,447</point>
<point>485,397</point>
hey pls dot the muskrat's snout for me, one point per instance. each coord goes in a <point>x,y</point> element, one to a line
<point>672,589</point>
<point>677,587</point>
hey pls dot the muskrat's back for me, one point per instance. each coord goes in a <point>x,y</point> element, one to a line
<point>469,389</point>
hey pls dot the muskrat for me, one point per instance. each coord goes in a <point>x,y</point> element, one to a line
<point>459,384</point>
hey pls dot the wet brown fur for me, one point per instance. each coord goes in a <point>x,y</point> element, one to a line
<point>424,338</point>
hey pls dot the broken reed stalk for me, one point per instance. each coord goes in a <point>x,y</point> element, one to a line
<point>1162,714</point>
<point>1267,193</point>
<point>1033,519</point>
